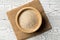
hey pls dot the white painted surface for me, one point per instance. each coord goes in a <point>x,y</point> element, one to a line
<point>52,9</point>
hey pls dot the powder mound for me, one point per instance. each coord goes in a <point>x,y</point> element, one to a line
<point>28,19</point>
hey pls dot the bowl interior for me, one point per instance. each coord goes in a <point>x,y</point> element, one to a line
<point>29,19</point>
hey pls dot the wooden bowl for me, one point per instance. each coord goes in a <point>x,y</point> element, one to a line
<point>28,19</point>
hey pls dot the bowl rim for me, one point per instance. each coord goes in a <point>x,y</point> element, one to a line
<point>19,13</point>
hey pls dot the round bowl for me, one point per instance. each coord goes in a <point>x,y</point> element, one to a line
<point>28,19</point>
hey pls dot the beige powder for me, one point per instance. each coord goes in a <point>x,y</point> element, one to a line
<point>28,19</point>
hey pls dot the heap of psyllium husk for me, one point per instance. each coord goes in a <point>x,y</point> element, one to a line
<point>28,19</point>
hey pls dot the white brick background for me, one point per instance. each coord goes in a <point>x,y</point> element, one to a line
<point>52,9</point>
